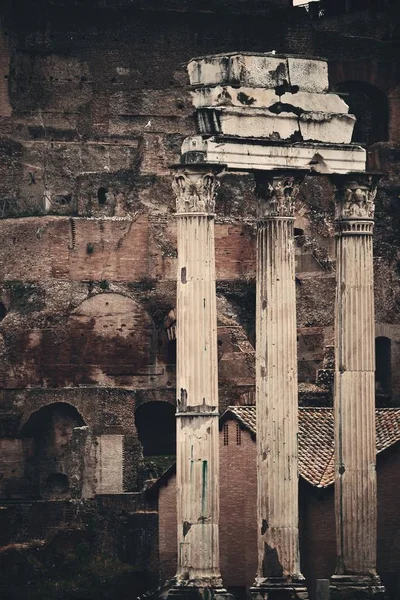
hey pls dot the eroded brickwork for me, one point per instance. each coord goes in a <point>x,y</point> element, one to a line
<point>94,105</point>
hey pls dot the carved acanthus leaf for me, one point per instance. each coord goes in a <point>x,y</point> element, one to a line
<point>279,197</point>
<point>356,203</point>
<point>195,196</point>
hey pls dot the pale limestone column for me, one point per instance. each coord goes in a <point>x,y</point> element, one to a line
<point>354,398</point>
<point>197,414</point>
<point>278,573</point>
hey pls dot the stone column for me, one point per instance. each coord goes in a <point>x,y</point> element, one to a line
<point>278,575</point>
<point>198,573</point>
<point>354,400</point>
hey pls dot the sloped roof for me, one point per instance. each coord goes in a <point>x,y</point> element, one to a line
<point>316,438</point>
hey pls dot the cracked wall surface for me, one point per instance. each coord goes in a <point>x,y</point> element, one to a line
<point>94,105</point>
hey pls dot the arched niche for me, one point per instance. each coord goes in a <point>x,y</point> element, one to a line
<point>370,107</point>
<point>156,427</point>
<point>112,340</point>
<point>50,454</point>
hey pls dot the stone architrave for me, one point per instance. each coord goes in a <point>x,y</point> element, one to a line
<point>278,575</point>
<point>198,572</point>
<point>354,397</point>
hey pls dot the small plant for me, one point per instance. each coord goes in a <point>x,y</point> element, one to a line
<point>89,248</point>
<point>104,285</point>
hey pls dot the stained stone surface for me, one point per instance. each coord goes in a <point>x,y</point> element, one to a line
<point>197,381</point>
<point>267,70</point>
<point>270,96</point>
<point>227,95</point>
<point>254,154</point>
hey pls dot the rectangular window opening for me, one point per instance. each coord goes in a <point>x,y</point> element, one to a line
<point>238,435</point>
<point>226,434</point>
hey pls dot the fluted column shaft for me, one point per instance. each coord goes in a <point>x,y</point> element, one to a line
<point>197,380</point>
<point>276,384</point>
<point>355,445</point>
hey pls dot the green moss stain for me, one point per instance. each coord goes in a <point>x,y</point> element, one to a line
<point>204,480</point>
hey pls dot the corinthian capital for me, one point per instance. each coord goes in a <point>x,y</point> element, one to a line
<point>195,187</point>
<point>355,196</point>
<point>277,193</point>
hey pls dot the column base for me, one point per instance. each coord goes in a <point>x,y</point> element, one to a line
<point>279,589</point>
<point>183,592</point>
<point>356,587</point>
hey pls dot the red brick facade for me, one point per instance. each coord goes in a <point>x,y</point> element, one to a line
<point>238,535</point>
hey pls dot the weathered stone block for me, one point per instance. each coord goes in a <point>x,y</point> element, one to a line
<point>225,95</point>
<point>269,70</point>
<point>326,127</point>
<point>242,122</point>
<point>247,154</point>
<point>276,124</point>
<point>310,75</point>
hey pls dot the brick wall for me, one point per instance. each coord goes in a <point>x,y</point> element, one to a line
<point>167,530</point>
<point>238,529</point>
<point>238,516</point>
<point>120,250</point>
<point>5,106</point>
<point>237,512</point>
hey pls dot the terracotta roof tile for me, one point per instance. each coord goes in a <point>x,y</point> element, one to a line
<point>316,438</point>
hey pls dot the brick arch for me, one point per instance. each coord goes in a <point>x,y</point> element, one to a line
<point>34,412</point>
<point>157,395</point>
<point>384,330</point>
<point>370,106</point>
<point>53,460</point>
<point>364,71</point>
<point>112,340</point>
<point>380,77</point>
<point>82,307</point>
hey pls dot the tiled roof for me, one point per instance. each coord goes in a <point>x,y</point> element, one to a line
<point>316,438</point>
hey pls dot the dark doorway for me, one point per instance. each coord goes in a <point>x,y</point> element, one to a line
<point>155,423</point>
<point>49,431</point>
<point>383,367</point>
<point>56,486</point>
<point>370,107</point>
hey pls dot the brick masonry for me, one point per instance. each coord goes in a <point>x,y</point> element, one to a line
<point>238,535</point>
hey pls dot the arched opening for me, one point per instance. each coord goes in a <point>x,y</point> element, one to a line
<point>383,368</point>
<point>171,352</point>
<point>56,486</point>
<point>102,195</point>
<point>3,311</point>
<point>50,455</point>
<point>112,339</point>
<point>370,107</point>
<point>155,424</point>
